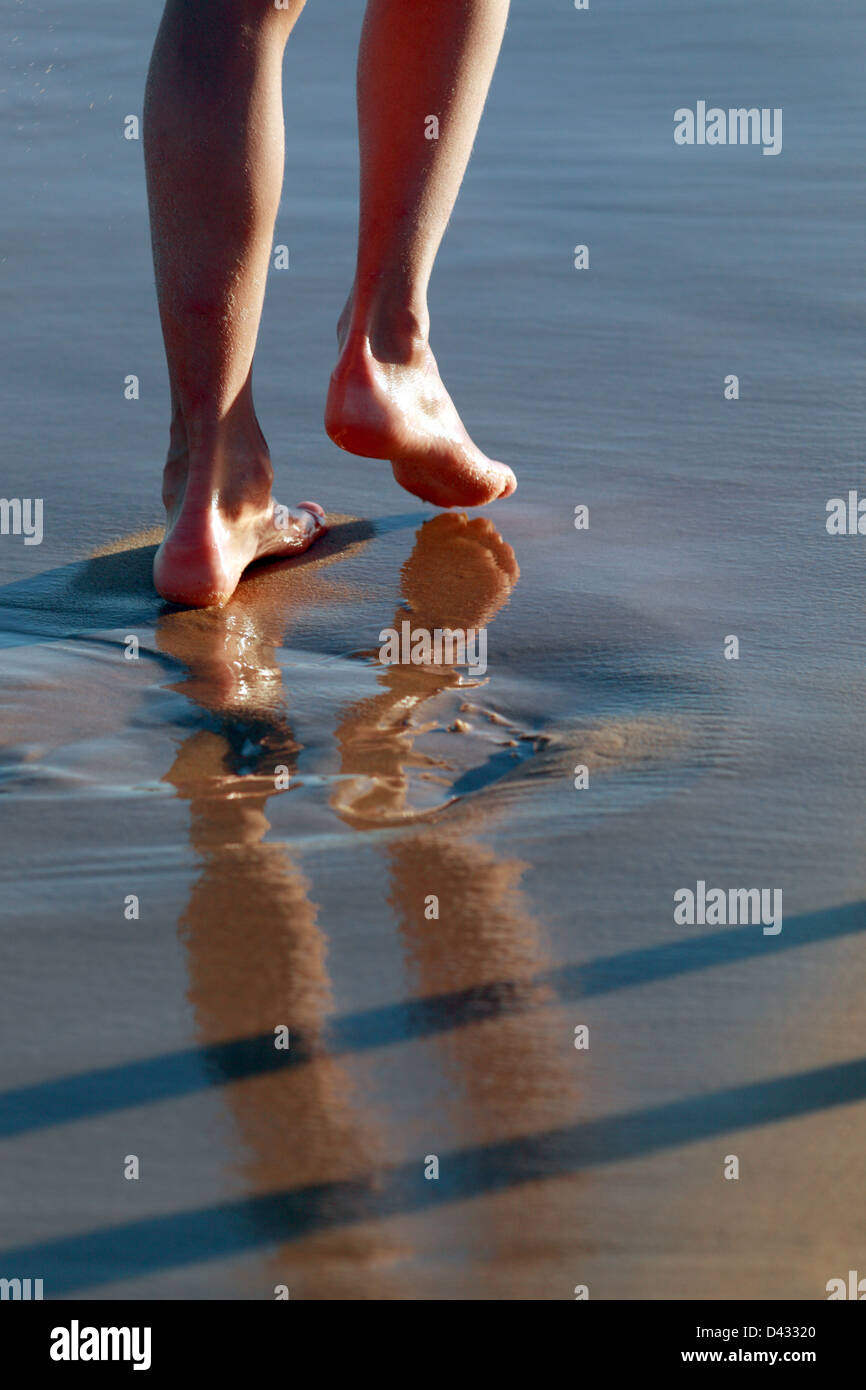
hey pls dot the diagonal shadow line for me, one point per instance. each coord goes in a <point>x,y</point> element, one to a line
<point>230,1228</point>
<point>176,1074</point>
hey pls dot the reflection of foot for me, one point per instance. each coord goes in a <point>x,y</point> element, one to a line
<point>214,533</point>
<point>459,574</point>
<point>399,410</point>
<point>230,660</point>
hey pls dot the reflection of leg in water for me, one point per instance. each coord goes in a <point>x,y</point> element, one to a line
<point>510,1061</point>
<point>256,956</point>
<point>459,575</point>
<point>509,1057</point>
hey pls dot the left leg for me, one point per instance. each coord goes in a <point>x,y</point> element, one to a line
<point>213,132</point>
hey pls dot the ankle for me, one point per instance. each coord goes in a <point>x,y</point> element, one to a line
<point>231,476</point>
<point>396,332</point>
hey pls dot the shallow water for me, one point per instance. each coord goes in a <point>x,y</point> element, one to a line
<point>305,907</point>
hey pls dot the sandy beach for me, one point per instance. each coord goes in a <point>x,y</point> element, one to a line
<point>144,772</point>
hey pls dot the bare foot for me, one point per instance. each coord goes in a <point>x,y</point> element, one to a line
<point>211,535</point>
<point>399,410</point>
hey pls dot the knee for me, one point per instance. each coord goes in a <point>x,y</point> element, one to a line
<point>266,14</point>
<point>230,19</point>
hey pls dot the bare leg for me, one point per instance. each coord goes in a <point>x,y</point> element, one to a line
<point>418,58</point>
<point>213,128</point>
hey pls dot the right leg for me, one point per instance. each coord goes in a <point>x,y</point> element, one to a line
<point>213,143</point>
<point>418,58</point>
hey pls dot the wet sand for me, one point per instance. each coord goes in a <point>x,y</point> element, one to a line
<point>306,907</point>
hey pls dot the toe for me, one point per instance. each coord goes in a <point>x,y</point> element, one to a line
<point>509,482</point>
<point>320,520</point>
